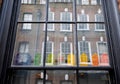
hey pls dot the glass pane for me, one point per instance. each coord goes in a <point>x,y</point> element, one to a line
<point>92,45</point>
<point>28,45</point>
<point>60,45</point>
<point>34,8</point>
<point>64,77</point>
<point>89,11</point>
<point>27,77</point>
<point>94,77</point>
<point>60,10</point>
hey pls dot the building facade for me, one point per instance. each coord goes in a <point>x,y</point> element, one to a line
<point>59,42</point>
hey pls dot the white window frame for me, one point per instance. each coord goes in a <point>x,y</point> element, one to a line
<point>61,29</point>
<point>23,54</point>
<point>26,1</point>
<point>25,45</point>
<point>27,26</point>
<point>85,2</point>
<point>42,1</point>
<point>45,52</point>
<point>99,24</point>
<point>53,25</point>
<point>61,63</point>
<point>97,44</point>
<point>93,2</point>
<point>89,47</point>
<point>79,15</point>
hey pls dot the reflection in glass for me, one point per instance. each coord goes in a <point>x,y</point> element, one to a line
<point>92,47</point>
<point>94,77</point>
<point>64,77</point>
<point>33,7</point>
<point>60,77</point>
<point>27,77</point>
<point>65,12</point>
<point>60,46</point>
<point>28,50</point>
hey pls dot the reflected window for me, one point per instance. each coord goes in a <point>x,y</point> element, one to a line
<point>102,52</point>
<point>27,1</point>
<point>102,47</point>
<point>66,49</point>
<point>99,18</point>
<point>42,1</point>
<point>60,0</point>
<point>94,2</point>
<point>83,18</point>
<point>85,2</point>
<point>84,51</point>
<point>23,57</point>
<point>24,47</point>
<point>49,52</point>
<point>50,27</point>
<point>27,26</point>
<point>66,16</point>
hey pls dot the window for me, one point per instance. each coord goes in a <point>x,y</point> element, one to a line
<point>85,2</point>
<point>60,0</point>
<point>101,48</point>
<point>50,27</point>
<point>94,2</point>
<point>99,18</point>
<point>27,17</point>
<point>78,1</point>
<point>66,16</point>
<point>42,1</point>
<point>102,53</point>
<point>99,2</point>
<point>23,57</point>
<point>27,1</point>
<point>49,52</point>
<point>83,18</point>
<point>65,50</point>
<point>24,47</point>
<point>84,48</point>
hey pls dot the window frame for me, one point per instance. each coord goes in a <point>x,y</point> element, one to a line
<point>42,1</point>
<point>25,25</point>
<point>45,52</point>
<point>61,26</point>
<point>97,44</point>
<point>71,50</point>
<point>99,24</point>
<point>94,2</point>
<point>89,50</point>
<point>87,29</point>
<point>26,1</point>
<point>53,25</point>
<point>85,2</point>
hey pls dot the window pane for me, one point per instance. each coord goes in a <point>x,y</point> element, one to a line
<point>33,7</point>
<point>60,46</point>
<point>64,77</point>
<point>28,46</point>
<point>92,46</point>
<point>27,77</point>
<point>94,77</point>
<point>65,12</point>
<point>89,13</point>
